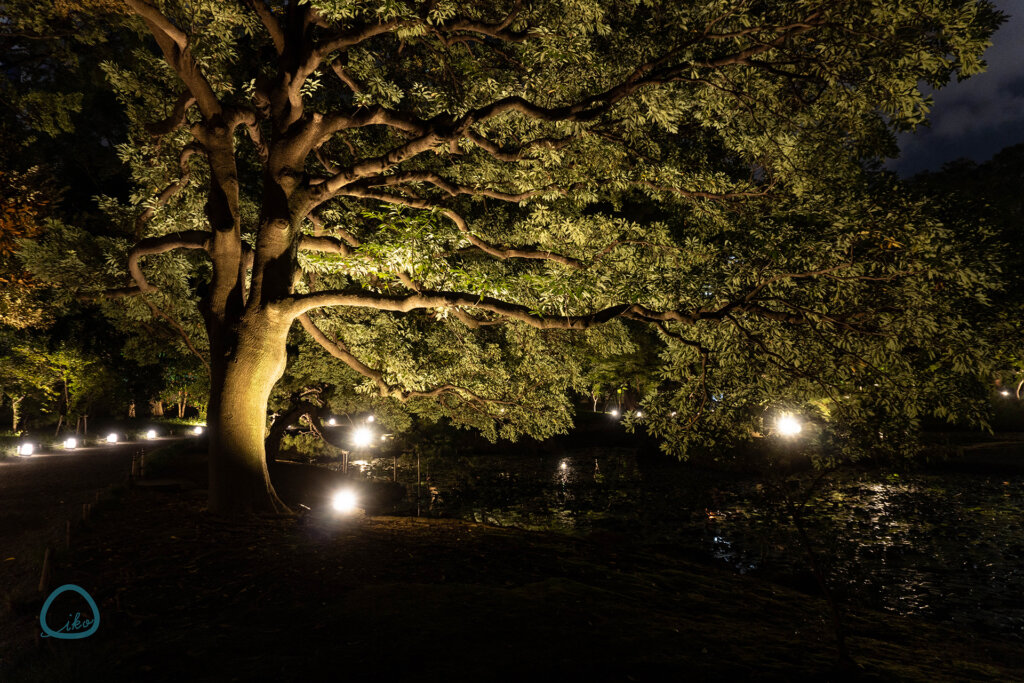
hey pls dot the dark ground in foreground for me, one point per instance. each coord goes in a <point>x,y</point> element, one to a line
<point>184,596</point>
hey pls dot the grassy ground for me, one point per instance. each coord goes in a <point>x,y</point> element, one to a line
<point>186,596</point>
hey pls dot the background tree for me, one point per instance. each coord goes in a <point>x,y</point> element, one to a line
<point>22,204</point>
<point>621,379</point>
<point>550,169</point>
<point>986,199</point>
<point>26,378</point>
<point>186,383</point>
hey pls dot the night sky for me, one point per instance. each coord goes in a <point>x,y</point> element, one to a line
<point>976,118</point>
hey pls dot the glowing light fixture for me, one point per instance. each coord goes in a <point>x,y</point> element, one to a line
<point>25,449</point>
<point>563,465</point>
<point>344,501</point>
<point>788,425</point>
<point>639,414</point>
<point>362,437</point>
<point>370,419</point>
<point>71,443</point>
<point>615,413</point>
<point>1005,392</point>
<point>331,422</point>
<point>111,438</point>
<point>151,434</point>
<point>197,430</point>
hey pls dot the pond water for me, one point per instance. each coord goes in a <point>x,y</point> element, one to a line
<point>941,545</point>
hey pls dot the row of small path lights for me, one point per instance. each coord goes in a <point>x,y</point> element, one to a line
<point>28,448</point>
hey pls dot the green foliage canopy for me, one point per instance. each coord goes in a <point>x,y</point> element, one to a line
<point>464,202</point>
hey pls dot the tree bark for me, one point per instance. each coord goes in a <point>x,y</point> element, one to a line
<point>182,403</point>
<point>241,381</point>
<point>16,412</point>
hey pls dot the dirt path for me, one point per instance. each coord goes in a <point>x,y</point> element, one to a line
<point>38,494</point>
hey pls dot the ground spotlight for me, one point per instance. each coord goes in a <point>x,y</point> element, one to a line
<point>111,438</point>
<point>362,437</point>
<point>344,501</point>
<point>788,425</point>
<point>26,449</point>
<point>71,443</point>
<point>151,434</point>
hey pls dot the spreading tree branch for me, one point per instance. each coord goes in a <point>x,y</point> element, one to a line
<point>173,43</point>
<point>176,119</point>
<point>341,352</point>
<point>170,190</point>
<point>186,239</point>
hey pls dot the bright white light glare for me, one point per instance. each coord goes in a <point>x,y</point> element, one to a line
<point>370,419</point>
<point>673,414</point>
<point>564,465</point>
<point>639,414</point>
<point>362,437</point>
<point>615,413</point>
<point>344,501</point>
<point>383,437</point>
<point>788,425</point>
<point>111,438</point>
<point>197,430</point>
<point>25,449</point>
<point>151,434</point>
<point>331,422</point>
<point>70,443</point>
<point>1005,392</point>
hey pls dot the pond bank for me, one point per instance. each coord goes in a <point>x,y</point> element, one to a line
<point>184,596</point>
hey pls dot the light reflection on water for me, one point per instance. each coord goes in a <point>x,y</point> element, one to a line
<point>946,546</point>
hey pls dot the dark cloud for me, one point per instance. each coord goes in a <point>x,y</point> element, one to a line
<point>979,116</point>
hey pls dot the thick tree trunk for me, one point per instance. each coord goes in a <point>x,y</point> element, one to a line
<point>241,383</point>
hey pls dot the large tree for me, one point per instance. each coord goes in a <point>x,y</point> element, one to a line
<point>470,196</point>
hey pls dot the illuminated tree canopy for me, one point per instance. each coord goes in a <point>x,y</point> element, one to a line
<point>462,202</point>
